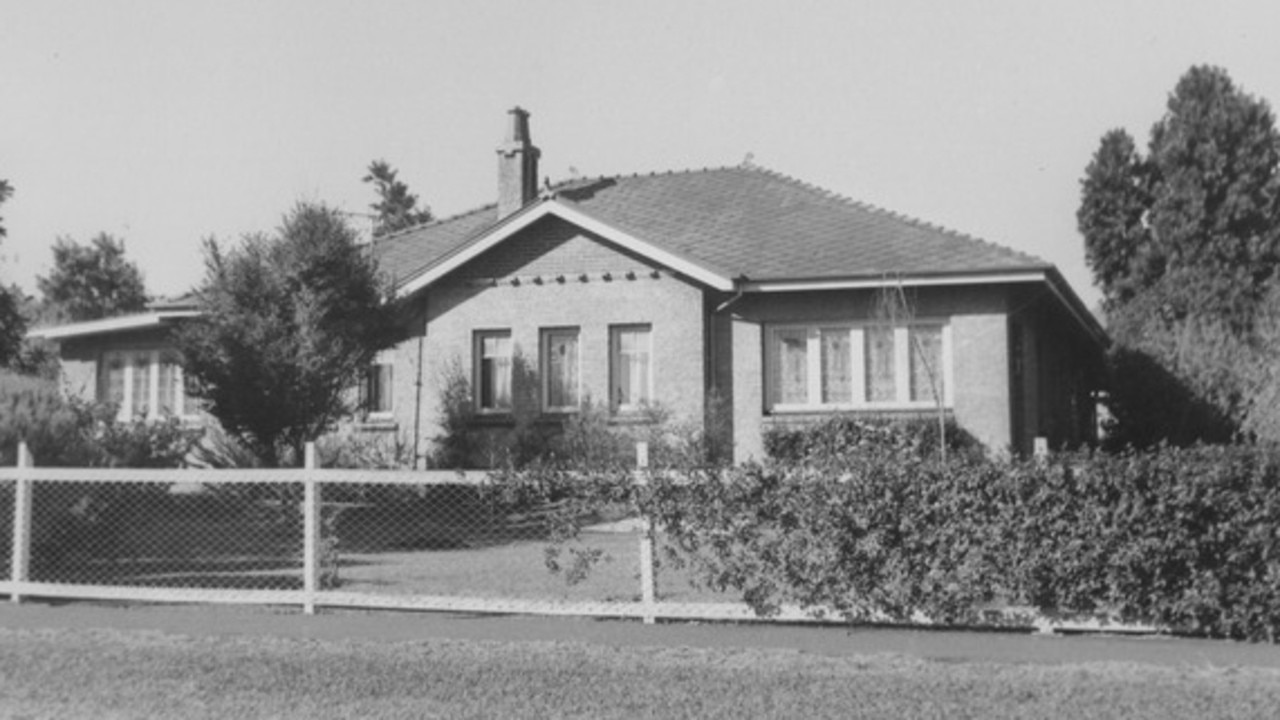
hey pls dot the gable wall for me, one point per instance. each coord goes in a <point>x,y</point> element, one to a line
<point>498,291</point>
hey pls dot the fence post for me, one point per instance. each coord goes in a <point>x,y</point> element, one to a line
<point>20,561</point>
<point>310,533</point>
<point>648,578</point>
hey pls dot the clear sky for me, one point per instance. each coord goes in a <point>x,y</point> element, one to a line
<point>164,122</point>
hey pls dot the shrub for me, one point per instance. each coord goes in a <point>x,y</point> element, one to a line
<point>842,435</point>
<point>1181,538</point>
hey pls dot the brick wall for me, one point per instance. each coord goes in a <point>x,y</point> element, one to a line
<point>555,277</point>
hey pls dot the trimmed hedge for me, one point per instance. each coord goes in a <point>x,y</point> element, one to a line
<point>1188,539</point>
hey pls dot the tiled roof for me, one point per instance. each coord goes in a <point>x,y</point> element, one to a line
<point>739,222</point>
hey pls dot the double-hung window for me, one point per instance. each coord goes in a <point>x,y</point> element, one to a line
<point>560,370</point>
<point>630,367</point>
<point>493,371</point>
<point>376,390</point>
<point>142,384</point>
<point>863,366</point>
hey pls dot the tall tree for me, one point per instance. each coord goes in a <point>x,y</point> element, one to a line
<point>92,281</point>
<point>288,325</point>
<point>1185,244</point>
<point>397,208</point>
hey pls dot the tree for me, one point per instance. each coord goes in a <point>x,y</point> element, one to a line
<point>288,324</point>
<point>1185,244</point>
<point>6,192</point>
<point>92,281</point>
<point>396,205</point>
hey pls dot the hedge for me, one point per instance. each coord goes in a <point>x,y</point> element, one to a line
<point>1187,539</point>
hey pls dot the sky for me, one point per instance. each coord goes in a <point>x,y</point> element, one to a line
<point>166,122</point>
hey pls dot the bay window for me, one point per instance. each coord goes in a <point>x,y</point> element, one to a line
<point>858,366</point>
<point>144,384</point>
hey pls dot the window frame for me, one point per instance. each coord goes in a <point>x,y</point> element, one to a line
<point>857,363</point>
<point>386,387</point>
<point>477,371</point>
<point>545,336</point>
<point>155,359</point>
<point>615,365</point>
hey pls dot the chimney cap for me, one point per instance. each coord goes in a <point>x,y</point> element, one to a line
<point>518,127</point>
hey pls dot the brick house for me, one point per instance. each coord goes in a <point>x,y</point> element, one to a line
<point>736,284</point>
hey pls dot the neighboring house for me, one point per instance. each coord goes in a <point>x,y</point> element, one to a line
<point>737,289</point>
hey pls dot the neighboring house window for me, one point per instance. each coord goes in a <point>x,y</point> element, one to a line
<point>858,366</point>
<point>376,390</point>
<point>493,370</point>
<point>560,376</point>
<point>630,366</point>
<point>142,384</point>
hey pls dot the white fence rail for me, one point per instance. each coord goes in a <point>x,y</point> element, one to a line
<point>312,537</point>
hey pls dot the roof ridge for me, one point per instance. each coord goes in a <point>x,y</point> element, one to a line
<point>434,222</point>
<point>896,215</point>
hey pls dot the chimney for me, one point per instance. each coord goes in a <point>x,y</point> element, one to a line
<point>517,165</point>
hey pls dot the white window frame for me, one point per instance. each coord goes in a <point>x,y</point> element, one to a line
<point>154,359</point>
<point>857,363</point>
<point>615,364</point>
<point>477,374</point>
<point>544,363</point>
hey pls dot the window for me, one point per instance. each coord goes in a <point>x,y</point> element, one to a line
<point>376,391</point>
<point>560,370</point>
<point>630,367</point>
<point>142,384</point>
<point>858,366</point>
<point>493,371</point>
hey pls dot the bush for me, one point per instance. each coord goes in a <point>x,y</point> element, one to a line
<point>1182,538</point>
<point>842,435</point>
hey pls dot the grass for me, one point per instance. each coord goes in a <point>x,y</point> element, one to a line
<point>83,673</point>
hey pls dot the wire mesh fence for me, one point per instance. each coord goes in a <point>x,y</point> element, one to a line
<point>161,533</point>
<point>334,537</point>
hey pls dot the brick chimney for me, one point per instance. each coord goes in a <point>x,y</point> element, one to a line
<point>517,165</point>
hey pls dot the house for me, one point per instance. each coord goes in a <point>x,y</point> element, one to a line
<point>736,290</point>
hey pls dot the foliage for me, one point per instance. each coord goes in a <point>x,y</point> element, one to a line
<point>13,326</point>
<point>841,435</point>
<point>62,431</point>
<point>397,208</point>
<point>1184,243</point>
<point>6,192</point>
<point>288,324</point>
<point>92,281</point>
<point>1181,538</point>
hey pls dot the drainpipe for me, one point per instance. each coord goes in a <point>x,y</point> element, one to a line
<point>417,393</point>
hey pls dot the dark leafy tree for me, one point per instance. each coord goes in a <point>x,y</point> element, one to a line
<point>92,281</point>
<point>397,208</point>
<point>1184,244</point>
<point>12,325</point>
<point>289,322</point>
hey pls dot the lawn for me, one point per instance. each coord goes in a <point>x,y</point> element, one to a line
<point>111,673</point>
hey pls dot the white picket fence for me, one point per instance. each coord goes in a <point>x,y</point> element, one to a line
<point>644,601</point>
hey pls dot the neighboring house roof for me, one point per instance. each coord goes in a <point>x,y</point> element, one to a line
<point>117,324</point>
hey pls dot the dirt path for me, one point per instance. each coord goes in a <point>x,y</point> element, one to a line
<point>939,645</point>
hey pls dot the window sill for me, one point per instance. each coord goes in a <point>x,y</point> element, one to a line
<point>854,409</point>
<point>377,424</point>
